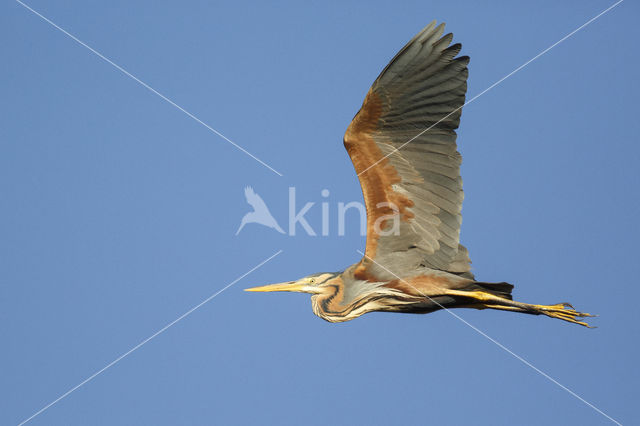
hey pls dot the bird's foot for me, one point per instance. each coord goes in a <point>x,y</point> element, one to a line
<point>563,311</point>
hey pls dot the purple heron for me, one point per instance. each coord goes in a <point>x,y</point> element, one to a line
<point>402,144</point>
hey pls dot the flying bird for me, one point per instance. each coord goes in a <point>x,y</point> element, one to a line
<point>402,143</point>
<point>260,213</point>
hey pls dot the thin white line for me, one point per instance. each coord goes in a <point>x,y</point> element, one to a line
<point>496,83</point>
<point>88,379</point>
<point>145,85</point>
<point>500,345</point>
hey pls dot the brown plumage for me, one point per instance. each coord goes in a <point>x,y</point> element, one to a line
<point>402,144</point>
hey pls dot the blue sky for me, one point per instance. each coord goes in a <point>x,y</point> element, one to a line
<point>118,214</point>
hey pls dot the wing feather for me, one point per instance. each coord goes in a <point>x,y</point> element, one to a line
<point>254,200</point>
<point>417,184</point>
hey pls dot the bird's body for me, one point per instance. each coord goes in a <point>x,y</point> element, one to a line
<point>402,143</point>
<point>351,297</point>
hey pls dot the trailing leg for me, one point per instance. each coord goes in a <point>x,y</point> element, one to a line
<point>482,300</point>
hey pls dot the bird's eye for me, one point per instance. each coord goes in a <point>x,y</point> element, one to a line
<point>312,280</point>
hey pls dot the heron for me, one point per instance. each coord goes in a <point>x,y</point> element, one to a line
<point>260,213</point>
<point>402,143</point>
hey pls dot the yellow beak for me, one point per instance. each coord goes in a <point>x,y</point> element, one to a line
<point>288,286</point>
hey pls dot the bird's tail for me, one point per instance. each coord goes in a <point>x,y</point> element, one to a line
<point>499,289</point>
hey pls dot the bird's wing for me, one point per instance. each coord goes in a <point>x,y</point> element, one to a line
<point>418,183</point>
<point>255,200</point>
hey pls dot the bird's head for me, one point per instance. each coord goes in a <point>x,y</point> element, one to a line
<point>313,284</point>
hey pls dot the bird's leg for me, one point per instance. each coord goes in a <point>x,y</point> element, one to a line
<point>563,311</point>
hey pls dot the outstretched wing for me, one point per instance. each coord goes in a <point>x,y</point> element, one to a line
<point>255,200</point>
<point>403,146</point>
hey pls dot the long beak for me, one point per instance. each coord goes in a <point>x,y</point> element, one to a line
<point>288,286</point>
